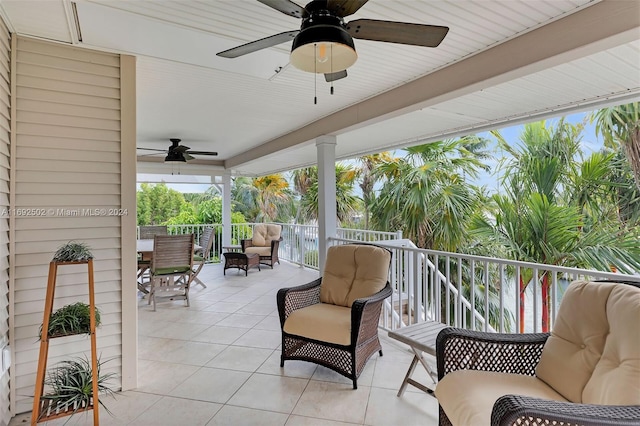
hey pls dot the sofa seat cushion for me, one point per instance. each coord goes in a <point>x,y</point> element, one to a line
<point>323,322</point>
<point>467,396</point>
<point>262,251</point>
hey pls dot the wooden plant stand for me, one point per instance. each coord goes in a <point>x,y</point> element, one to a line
<point>42,410</point>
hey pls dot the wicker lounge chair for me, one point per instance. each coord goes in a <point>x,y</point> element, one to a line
<point>586,372</point>
<point>333,321</point>
<point>265,242</point>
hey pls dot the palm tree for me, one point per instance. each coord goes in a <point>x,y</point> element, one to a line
<point>244,197</point>
<point>306,183</point>
<point>426,195</point>
<point>620,126</point>
<point>368,180</point>
<point>273,196</point>
<point>265,198</point>
<point>550,210</point>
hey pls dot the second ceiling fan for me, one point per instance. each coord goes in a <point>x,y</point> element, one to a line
<point>324,42</point>
<point>177,152</point>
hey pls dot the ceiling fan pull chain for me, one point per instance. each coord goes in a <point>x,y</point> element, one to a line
<point>315,74</point>
<point>331,65</point>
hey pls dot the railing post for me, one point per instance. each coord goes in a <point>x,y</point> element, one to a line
<point>302,243</point>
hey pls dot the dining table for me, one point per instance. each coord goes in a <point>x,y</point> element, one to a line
<point>145,248</point>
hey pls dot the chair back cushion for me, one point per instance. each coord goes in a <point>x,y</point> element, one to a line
<point>616,378</point>
<point>353,271</point>
<point>264,233</point>
<point>593,352</point>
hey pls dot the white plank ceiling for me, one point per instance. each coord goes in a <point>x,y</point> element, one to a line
<point>509,61</point>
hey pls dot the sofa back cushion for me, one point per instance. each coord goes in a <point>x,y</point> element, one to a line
<point>616,378</point>
<point>264,233</point>
<point>582,338</point>
<point>353,271</point>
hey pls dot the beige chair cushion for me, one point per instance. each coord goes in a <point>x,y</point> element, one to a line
<point>616,378</point>
<point>264,233</point>
<point>262,251</point>
<point>352,272</point>
<point>467,396</point>
<point>323,322</point>
<point>576,343</point>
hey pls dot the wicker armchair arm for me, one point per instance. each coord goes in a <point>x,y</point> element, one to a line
<point>513,409</point>
<point>275,244</point>
<point>293,298</point>
<point>365,312</point>
<point>246,243</point>
<point>459,349</point>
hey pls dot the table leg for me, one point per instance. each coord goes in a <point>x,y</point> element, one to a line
<point>426,366</point>
<point>417,356</point>
<point>405,382</point>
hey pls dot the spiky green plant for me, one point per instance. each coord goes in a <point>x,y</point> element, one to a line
<point>73,252</point>
<point>71,385</point>
<point>71,319</point>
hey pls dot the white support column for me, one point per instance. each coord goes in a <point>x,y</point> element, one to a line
<point>327,217</point>
<point>226,210</point>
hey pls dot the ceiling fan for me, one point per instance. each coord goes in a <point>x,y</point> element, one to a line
<point>324,42</point>
<point>177,152</point>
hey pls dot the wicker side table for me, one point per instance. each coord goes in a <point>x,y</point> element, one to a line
<point>242,261</point>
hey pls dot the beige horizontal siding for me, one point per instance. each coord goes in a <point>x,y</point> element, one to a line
<point>5,129</point>
<point>68,175</point>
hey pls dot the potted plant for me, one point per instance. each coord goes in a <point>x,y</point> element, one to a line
<point>73,252</point>
<point>71,319</point>
<point>71,387</point>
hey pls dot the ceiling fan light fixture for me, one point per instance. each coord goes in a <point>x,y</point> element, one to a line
<point>323,49</point>
<point>174,156</point>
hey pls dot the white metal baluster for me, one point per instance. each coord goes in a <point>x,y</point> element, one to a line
<point>438,289</point>
<point>535,300</point>
<point>554,298</point>
<point>486,296</point>
<point>447,280</point>
<point>472,292</point>
<point>501,265</point>
<point>416,286</point>
<point>460,313</point>
<point>517,293</point>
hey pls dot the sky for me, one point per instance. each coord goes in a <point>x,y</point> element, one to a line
<point>590,143</point>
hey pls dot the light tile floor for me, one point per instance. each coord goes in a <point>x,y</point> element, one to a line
<point>218,363</point>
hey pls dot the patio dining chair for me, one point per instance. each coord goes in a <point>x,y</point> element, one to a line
<point>333,321</point>
<point>147,233</point>
<point>203,254</point>
<point>171,267</point>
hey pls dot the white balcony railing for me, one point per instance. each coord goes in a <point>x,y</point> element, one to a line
<point>435,285</point>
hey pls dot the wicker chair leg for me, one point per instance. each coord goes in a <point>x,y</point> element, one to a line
<point>355,384</point>
<point>380,352</point>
